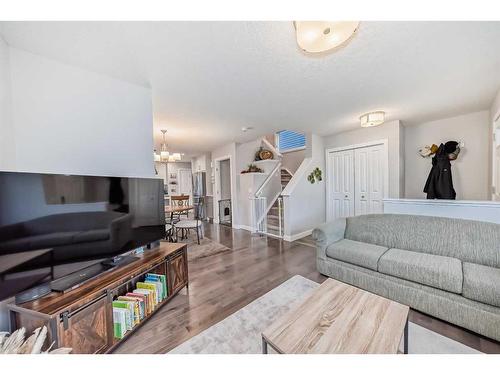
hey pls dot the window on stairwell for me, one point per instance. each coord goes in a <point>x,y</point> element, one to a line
<point>288,140</point>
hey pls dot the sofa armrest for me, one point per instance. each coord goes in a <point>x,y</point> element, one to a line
<point>120,230</point>
<point>328,233</point>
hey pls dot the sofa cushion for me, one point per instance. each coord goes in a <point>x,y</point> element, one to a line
<point>482,283</point>
<point>358,253</point>
<point>51,239</point>
<point>432,270</point>
<point>92,236</point>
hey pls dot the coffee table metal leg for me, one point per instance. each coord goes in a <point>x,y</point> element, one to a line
<point>405,342</point>
<point>264,346</point>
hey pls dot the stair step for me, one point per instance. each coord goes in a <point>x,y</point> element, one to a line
<point>274,223</point>
<point>273,228</point>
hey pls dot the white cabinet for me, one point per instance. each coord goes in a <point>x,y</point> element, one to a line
<point>200,163</point>
<point>356,181</point>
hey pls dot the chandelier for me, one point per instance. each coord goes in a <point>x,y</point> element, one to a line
<point>165,156</point>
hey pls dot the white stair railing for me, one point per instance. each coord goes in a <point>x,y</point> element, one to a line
<point>265,197</point>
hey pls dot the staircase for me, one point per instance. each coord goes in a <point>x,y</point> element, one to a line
<point>275,214</point>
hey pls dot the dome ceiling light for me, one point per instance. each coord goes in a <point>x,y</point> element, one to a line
<point>372,119</point>
<point>321,36</point>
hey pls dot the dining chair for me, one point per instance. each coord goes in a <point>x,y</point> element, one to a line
<point>169,232</point>
<point>195,224</point>
<point>180,201</point>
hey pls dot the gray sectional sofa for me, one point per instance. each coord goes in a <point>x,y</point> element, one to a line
<point>447,268</point>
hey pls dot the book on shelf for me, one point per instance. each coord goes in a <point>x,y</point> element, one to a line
<point>119,322</point>
<point>137,309</point>
<point>160,278</point>
<point>159,288</point>
<point>151,286</point>
<point>129,316</point>
<point>149,298</point>
<point>143,301</point>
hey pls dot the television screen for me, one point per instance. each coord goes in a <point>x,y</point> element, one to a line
<point>53,225</point>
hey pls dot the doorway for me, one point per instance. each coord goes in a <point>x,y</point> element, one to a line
<point>357,179</point>
<point>223,191</point>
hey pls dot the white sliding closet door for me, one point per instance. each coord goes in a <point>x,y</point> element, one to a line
<point>369,179</point>
<point>342,184</point>
<point>357,180</point>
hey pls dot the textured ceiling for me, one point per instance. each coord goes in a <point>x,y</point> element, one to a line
<point>209,79</point>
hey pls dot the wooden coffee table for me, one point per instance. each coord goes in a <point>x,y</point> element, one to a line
<point>340,318</point>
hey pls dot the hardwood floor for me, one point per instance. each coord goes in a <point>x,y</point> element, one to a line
<point>222,284</point>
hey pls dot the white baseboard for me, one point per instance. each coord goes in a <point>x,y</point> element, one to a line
<point>298,236</point>
<point>245,227</point>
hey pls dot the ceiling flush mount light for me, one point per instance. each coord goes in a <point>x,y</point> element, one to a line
<point>321,36</point>
<point>372,119</point>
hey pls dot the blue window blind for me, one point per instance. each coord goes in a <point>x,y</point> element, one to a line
<point>288,140</point>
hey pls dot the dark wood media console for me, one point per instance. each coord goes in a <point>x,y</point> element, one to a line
<point>83,318</point>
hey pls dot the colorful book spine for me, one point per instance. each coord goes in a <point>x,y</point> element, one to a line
<point>119,322</point>
<point>152,287</point>
<point>135,304</point>
<point>148,293</point>
<point>162,279</point>
<point>159,288</point>
<point>143,302</point>
<point>129,316</point>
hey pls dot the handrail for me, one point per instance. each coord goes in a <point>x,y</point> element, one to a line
<point>268,178</point>
<point>299,174</point>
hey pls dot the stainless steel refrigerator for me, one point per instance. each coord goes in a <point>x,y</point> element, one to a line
<point>200,191</point>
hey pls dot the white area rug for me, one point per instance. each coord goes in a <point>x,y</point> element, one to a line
<point>240,333</point>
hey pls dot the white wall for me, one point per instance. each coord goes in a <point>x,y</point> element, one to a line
<point>305,207</point>
<point>292,160</point>
<point>7,141</point>
<point>472,168</point>
<point>69,120</point>
<point>393,132</point>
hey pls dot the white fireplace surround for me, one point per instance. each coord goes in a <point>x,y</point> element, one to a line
<point>471,210</point>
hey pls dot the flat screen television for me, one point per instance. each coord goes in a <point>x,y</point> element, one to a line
<point>53,226</point>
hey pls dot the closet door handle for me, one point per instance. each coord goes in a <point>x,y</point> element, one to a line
<point>346,196</point>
